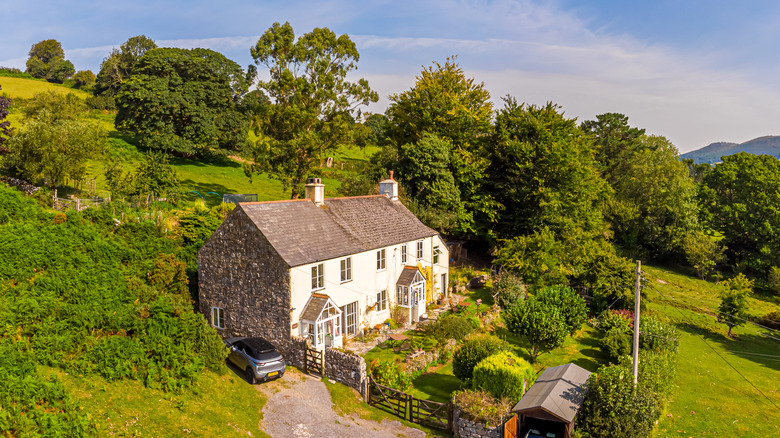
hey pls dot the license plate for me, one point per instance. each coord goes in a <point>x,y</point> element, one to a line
<point>273,374</point>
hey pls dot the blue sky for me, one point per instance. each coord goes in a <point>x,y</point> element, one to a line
<point>694,71</point>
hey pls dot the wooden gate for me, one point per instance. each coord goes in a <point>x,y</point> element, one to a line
<point>510,427</point>
<point>312,361</point>
<point>388,399</point>
<point>430,413</point>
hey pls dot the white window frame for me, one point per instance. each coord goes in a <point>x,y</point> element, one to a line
<point>436,253</point>
<point>403,253</point>
<point>420,252</point>
<point>381,260</point>
<point>318,277</point>
<point>381,300</point>
<point>346,269</point>
<point>218,318</point>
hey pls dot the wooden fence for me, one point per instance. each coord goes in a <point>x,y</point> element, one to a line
<point>312,361</point>
<point>424,412</point>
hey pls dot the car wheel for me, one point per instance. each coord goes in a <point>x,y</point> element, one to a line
<point>250,375</point>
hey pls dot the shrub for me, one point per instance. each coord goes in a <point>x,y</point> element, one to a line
<point>656,372</point>
<point>389,373</point>
<point>391,323</point>
<point>101,102</point>
<point>614,407</point>
<point>450,327</point>
<point>474,321</point>
<point>657,336</point>
<point>540,324</point>
<point>509,290</point>
<point>568,302</point>
<point>481,407</point>
<point>616,318</point>
<point>468,355</point>
<point>773,278</point>
<point>771,320</point>
<point>504,375</point>
<point>400,315</point>
<point>616,342</point>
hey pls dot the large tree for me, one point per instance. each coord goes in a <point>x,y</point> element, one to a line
<point>654,206</point>
<point>446,104</point>
<point>616,142</point>
<point>184,101</point>
<point>739,199</point>
<point>539,323</point>
<point>312,102</point>
<point>47,61</point>
<point>118,66</point>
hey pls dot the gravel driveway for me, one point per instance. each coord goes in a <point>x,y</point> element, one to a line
<point>299,406</point>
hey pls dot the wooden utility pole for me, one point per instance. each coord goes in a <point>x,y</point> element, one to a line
<point>636,320</point>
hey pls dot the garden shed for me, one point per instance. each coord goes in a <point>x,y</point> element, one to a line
<point>549,408</point>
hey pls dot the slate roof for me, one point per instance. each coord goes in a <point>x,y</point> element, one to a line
<point>303,233</point>
<point>558,391</point>
<point>314,307</point>
<point>407,276</point>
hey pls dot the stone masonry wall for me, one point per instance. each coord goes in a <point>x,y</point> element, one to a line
<point>293,351</point>
<point>465,428</point>
<point>239,271</point>
<point>346,368</point>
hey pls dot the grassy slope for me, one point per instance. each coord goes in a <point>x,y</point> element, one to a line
<point>224,406</point>
<point>710,397</point>
<point>220,175</point>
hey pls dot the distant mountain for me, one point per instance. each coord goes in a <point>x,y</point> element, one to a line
<point>769,145</point>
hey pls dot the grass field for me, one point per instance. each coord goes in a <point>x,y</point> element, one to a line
<point>219,406</point>
<point>718,378</point>
<point>27,88</point>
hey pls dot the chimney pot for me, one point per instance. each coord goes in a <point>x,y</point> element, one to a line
<point>391,174</point>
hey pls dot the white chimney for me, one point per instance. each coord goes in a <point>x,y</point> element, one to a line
<point>389,187</point>
<point>315,190</point>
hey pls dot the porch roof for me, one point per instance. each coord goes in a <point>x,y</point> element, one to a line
<point>409,276</point>
<point>317,303</point>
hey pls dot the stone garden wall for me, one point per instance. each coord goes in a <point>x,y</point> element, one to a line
<point>346,368</point>
<point>464,428</point>
<point>293,350</point>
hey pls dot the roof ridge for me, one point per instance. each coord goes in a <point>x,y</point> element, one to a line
<point>279,201</point>
<point>357,197</point>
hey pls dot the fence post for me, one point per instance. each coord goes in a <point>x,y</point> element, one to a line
<point>409,407</point>
<point>78,204</point>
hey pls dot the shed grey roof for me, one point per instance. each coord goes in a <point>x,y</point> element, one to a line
<point>408,275</point>
<point>558,391</point>
<point>303,233</point>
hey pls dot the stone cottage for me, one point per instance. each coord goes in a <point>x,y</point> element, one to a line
<point>321,269</point>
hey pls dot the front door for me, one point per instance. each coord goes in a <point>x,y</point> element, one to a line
<point>418,302</point>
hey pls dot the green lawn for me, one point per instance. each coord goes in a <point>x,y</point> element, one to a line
<point>714,393</point>
<point>219,406</point>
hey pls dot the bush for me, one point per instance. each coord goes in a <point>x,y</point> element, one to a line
<point>504,375</point>
<point>101,102</point>
<point>771,320</point>
<point>616,342</point>
<point>400,315</point>
<point>656,372</point>
<point>389,373</point>
<point>481,407</point>
<point>614,407</point>
<point>391,324</point>
<point>569,303</point>
<point>773,278</point>
<point>509,290</point>
<point>468,355</point>
<point>450,327</point>
<point>657,336</point>
<point>616,318</point>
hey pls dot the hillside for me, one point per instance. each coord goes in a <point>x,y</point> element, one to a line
<point>768,145</point>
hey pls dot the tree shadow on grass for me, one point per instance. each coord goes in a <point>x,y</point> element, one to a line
<point>752,347</point>
<point>594,357</point>
<point>204,189</point>
<point>438,387</point>
<point>216,161</point>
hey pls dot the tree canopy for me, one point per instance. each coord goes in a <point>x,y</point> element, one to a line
<point>739,199</point>
<point>118,66</point>
<point>447,105</point>
<point>47,61</point>
<point>312,102</point>
<point>184,101</point>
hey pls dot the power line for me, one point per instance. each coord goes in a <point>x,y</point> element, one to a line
<point>727,362</point>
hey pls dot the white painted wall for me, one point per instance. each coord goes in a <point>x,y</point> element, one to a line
<point>366,280</point>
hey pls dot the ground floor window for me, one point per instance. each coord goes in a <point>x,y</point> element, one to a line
<point>218,317</point>
<point>349,313</point>
<point>381,300</point>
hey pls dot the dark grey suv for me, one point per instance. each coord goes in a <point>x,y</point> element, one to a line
<point>257,357</point>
